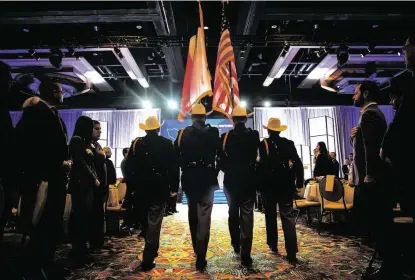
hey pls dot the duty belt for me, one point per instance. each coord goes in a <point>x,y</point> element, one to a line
<point>196,164</point>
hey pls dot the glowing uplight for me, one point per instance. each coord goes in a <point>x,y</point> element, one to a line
<point>172,104</point>
<point>244,103</point>
<point>147,104</point>
<point>267,104</point>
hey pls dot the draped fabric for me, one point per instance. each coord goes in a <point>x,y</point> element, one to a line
<point>297,120</point>
<point>122,125</point>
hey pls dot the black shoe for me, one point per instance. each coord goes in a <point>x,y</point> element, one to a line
<point>236,249</point>
<point>246,262</point>
<point>274,249</point>
<point>146,266</point>
<point>201,265</point>
<point>292,259</point>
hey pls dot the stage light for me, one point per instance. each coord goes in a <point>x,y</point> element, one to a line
<point>342,55</point>
<point>267,104</point>
<point>172,104</point>
<point>56,59</point>
<point>206,27</point>
<point>139,27</point>
<point>244,103</point>
<point>147,104</point>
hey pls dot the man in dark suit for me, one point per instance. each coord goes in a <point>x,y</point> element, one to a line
<point>47,161</point>
<point>371,200</point>
<point>237,159</point>
<point>6,141</point>
<point>197,146</point>
<point>279,183</point>
<point>336,165</point>
<point>397,146</point>
<point>154,166</point>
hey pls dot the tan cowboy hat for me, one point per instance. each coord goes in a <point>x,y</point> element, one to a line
<point>151,123</point>
<point>274,124</point>
<point>240,111</point>
<point>198,109</point>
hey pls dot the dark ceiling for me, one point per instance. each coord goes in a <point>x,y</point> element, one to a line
<point>156,34</point>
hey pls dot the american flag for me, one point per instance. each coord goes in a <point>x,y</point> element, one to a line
<point>226,86</point>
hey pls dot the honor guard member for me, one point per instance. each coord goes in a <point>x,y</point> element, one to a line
<point>237,158</point>
<point>197,147</point>
<point>153,163</point>
<point>279,185</point>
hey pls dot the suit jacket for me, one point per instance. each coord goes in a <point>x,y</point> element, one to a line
<point>237,158</point>
<point>44,130</point>
<point>153,165</point>
<point>397,144</point>
<point>366,144</point>
<point>111,173</point>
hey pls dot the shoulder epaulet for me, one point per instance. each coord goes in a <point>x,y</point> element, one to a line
<point>266,146</point>
<point>179,139</point>
<point>135,143</point>
<point>225,138</point>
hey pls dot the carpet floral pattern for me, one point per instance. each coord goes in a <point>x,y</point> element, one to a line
<point>320,256</point>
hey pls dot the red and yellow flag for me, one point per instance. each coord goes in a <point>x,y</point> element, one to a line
<point>197,79</point>
<point>226,81</point>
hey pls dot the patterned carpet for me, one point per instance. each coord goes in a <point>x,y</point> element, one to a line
<point>320,257</point>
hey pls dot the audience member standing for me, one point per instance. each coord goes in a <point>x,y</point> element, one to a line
<point>197,146</point>
<point>370,203</point>
<point>7,142</point>
<point>152,159</point>
<point>334,164</point>
<point>97,238</point>
<point>237,159</point>
<point>346,168</point>
<point>323,162</point>
<point>278,185</point>
<point>83,181</point>
<point>111,172</point>
<point>47,162</point>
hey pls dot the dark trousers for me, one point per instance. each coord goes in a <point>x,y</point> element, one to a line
<point>241,221</point>
<point>155,213</point>
<point>200,211</point>
<point>171,204</point>
<point>48,232</point>
<point>258,202</point>
<point>97,222</point>
<point>80,226</point>
<point>285,205</point>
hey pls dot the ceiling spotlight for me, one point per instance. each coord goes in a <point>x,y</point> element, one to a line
<point>172,104</point>
<point>147,104</point>
<point>139,27</point>
<point>96,28</point>
<point>315,26</point>
<point>267,104</point>
<point>206,27</point>
<point>375,26</point>
<point>118,52</point>
<point>244,103</point>
<point>274,26</point>
<point>342,55</point>
<point>399,53</point>
<point>56,59</point>
<point>26,30</point>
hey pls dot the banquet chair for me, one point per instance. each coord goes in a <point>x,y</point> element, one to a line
<point>303,203</point>
<point>115,210</point>
<point>333,198</point>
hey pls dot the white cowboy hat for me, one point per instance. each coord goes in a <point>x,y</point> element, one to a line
<point>274,124</point>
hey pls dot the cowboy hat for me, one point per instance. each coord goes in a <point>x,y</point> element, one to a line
<point>151,123</point>
<point>240,111</point>
<point>198,109</point>
<point>274,124</point>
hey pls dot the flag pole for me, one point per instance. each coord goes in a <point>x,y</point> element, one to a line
<point>231,84</point>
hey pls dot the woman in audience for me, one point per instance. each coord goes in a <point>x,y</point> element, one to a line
<point>82,181</point>
<point>323,161</point>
